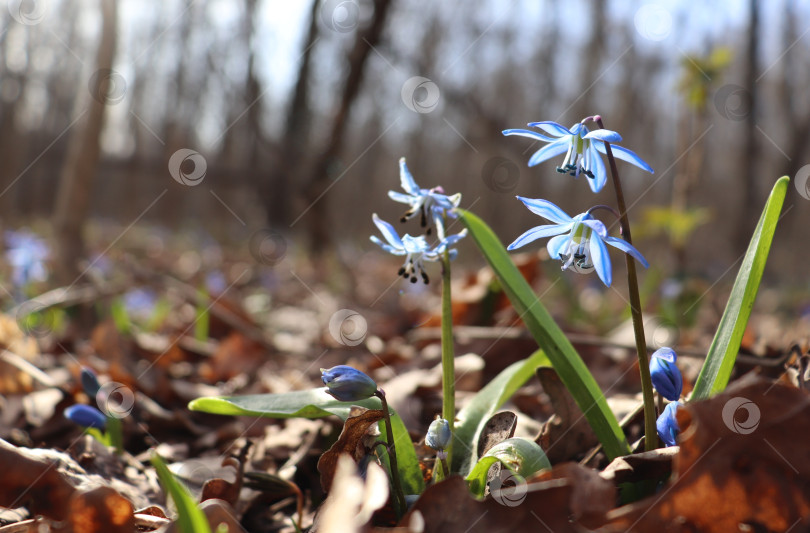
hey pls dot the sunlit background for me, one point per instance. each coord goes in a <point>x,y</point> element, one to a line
<point>224,120</point>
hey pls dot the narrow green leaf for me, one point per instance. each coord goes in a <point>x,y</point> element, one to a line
<point>316,403</point>
<point>521,456</point>
<point>202,319</point>
<point>566,361</point>
<point>486,403</point>
<point>719,362</point>
<point>190,518</point>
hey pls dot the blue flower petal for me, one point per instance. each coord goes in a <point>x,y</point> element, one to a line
<point>591,162</point>
<point>601,259</point>
<point>530,134</point>
<point>596,225</point>
<point>546,209</point>
<point>86,416</point>
<point>547,152</point>
<point>387,247</point>
<point>620,152</point>
<point>667,354</point>
<point>557,245</point>
<point>604,135</point>
<point>400,197</point>
<point>558,130</point>
<point>538,232</point>
<point>598,169</point>
<point>625,246</point>
<point>406,179</point>
<point>388,231</point>
<point>667,424</point>
<point>450,240</point>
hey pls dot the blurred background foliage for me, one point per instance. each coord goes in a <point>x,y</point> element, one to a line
<point>300,111</point>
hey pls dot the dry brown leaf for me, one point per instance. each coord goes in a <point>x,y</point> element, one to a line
<point>13,339</point>
<point>499,427</point>
<point>567,433</point>
<point>32,482</point>
<point>743,464</point>
<point>449,507</point>
<point>101,510</point>
<point>352,441</point>
<point>591,498</point>
<point>235,355</point>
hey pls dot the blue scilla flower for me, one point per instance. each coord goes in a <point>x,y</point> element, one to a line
<point>667,424</point>
<point>26,253</point>
<point>430,204</point>
<point>415,249</point>
<point>666,378</point>
<point>86,416</point>
<point>579,242</point>
<point>438,434</point>
<point>581,147</point>
<point>90,382</point>
<point>140,303</point>
<point>347,384</point>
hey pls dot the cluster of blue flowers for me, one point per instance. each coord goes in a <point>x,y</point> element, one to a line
<point>579,242</point>
<point>87,416</point>
<point>433,208</point>
<point>668,381</point>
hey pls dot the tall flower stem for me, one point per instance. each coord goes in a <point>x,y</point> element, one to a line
<point>392,454</point>
<point>650,433</point>
<point>448,356</point>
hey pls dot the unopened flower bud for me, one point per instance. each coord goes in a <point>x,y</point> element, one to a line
<point>347,384</point>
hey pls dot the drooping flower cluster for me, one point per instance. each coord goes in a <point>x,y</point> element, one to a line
<point>434,208</point>
<point>579,242</point>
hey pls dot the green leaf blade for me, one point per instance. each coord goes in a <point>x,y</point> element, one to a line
<point>521,456</point>
<point>486,402</point>
<point>316,403</point>
<point>190,518</point>
<point>716,371</point>
<point>550,338</point>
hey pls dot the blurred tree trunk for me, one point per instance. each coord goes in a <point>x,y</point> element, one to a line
<point>79,169</point>
<point>295,139</point>
<point>323,169</point>
<point>749,213</point>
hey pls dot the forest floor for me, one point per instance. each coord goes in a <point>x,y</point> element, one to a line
<point>160,333</point>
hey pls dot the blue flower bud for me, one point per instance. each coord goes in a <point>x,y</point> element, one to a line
<point>348,384</point>
<point>86,416</point>
<point>90,382</point>
<point>438,435</point>
<point>667,424</point>
<point>666,378</point>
